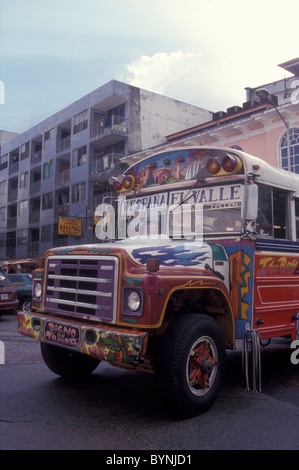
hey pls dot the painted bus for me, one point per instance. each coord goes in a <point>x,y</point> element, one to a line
<point>201,246</point>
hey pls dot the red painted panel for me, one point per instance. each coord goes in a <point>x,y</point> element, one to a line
<point>276,294</point>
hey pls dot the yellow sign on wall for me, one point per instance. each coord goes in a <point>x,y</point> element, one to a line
<point>67,226</point>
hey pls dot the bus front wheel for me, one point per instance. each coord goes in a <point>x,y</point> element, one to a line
<point>66,363</point>
<point>190,363</point>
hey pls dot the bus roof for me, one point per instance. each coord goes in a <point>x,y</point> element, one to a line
<point>180,166</point>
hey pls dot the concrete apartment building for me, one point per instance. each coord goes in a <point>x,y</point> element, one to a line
<point>60,167</point>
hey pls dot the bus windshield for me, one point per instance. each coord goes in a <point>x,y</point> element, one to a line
<point>191,213</point>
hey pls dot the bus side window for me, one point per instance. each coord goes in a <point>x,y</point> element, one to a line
<point>272,212</point>
<point>297,218</point>
<point>264,224</point>
<point>280,209</point>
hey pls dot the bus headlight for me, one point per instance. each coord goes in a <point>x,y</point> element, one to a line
<point>134,301</point>
<point>37,290</point>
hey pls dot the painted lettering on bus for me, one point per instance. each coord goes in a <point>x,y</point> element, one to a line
<point>207,195</point>
<point>281,265</point>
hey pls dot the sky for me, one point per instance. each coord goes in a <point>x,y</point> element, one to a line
<point>203,52</point>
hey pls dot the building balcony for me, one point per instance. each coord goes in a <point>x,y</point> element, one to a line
<point>62,178</point>
<point>63,144</point>
<point>105,166</point>
<point>33,249</point>
<point>36,158</point>
<point>60,242</point>
<point>12,222</point>
<point>62,210</point>
<point>105,198</point>
<point>35,187</point>
<point>13,168</point>
<point>110,125</point>
<point>106,162</point>
<point>13,195</point>
<point>10,251</point>
<point>34,217</point>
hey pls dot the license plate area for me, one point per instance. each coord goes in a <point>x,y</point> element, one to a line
<point>4,296</point>
<point>62,334</point>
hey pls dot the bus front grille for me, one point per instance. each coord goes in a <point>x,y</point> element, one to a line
<point>82,285</point>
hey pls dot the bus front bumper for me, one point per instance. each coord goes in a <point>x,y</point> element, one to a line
<point>103,342</point>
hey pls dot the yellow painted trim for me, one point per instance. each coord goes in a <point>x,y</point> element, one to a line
<point>184,286</point>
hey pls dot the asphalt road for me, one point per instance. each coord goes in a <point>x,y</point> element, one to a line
<point>116,410</point>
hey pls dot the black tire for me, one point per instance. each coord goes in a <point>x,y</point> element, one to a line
<point>190,364</point>
<point>66,363</point>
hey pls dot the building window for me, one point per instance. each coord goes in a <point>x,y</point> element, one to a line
<point>24,180</point>
<point>78,192</point>
<point>2,214</point>
<point>80,156</point>
<point>22,236</point>
<point>293,165</point>
<point>80,122</point>
<point>25,151</point>
<point>23,207</point>
<point>3,162</point>
<point>47,201</point>
<point>48,169</point>
<point>49,138</point>
<point>3,186</point>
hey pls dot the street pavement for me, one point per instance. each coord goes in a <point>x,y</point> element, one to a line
<point>117,410</point>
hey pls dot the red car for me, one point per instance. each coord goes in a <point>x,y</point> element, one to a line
<point>8,295</point>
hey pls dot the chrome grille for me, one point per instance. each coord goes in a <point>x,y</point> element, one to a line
<point>82,285</point>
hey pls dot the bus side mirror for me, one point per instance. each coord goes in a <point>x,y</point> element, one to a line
<point>251,202</point>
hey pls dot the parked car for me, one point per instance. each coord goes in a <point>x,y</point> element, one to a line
<point>22,282</point>
<point>8,295</point>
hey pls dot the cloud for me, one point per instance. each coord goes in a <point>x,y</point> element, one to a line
<point>186,76</point>
<point>204,79</point>
<point>165,72</point>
